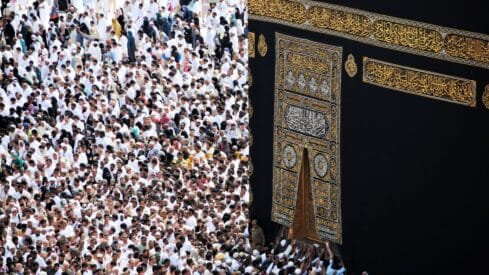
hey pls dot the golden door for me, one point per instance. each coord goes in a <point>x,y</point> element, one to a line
<point>304,225</point>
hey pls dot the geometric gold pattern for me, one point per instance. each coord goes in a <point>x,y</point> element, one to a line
<point>307,115</point>
<point>376,29</point>
<point>419,82</point>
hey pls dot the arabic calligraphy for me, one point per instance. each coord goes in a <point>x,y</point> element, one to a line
<point>339,20</point>
<point>418,82</point>
<point>377,29</point>
<point>408,36</point>
<point>467,48</point>
<point>307,62</point>
<point>305,121</point>
<point>282,9</point>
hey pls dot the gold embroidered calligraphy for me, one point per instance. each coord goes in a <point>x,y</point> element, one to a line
<point>467,48</point>
<point>408,36</point>
<point>376,29</point>
<point>418,82</point>
<point>340,21</point>
<point>281,9</point>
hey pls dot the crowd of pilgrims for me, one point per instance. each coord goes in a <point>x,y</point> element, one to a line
<point>125,142</point>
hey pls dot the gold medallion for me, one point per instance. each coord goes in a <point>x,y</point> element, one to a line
<point>262,45</point>
<point>350,66</point>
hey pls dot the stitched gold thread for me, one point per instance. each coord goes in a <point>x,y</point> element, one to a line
<point>375,29</point>
<point>419,82</point>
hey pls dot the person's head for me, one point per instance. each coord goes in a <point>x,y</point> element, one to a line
<point>337,263</point>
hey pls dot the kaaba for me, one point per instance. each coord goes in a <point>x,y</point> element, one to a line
<point>381,109</point>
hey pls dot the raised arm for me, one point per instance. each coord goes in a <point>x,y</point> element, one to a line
<point>329,251</point>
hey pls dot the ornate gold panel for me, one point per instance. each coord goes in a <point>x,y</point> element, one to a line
<point>251,44</point>
<point>306,74</point>
<point>307,115</point>
<point>285,176</point>
<point>419,82</point>
<point>377,29</point>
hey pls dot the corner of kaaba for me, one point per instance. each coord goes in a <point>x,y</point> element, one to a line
<point>370,123</point>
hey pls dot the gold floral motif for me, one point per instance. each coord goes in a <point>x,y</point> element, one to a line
<point>350,66</point>
<point>376,29</point>
<point>485,96</point>
<point>419,82</point>
<point>251,44</point>
<point>302,67</point>
<point>262,45</point>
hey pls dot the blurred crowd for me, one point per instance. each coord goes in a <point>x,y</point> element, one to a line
<point>124,136</point>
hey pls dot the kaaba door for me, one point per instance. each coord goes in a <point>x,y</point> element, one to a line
<point>304,225</point>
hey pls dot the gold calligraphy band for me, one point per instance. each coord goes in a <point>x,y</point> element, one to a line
<point>418,82</point>
<point>375,29</point>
